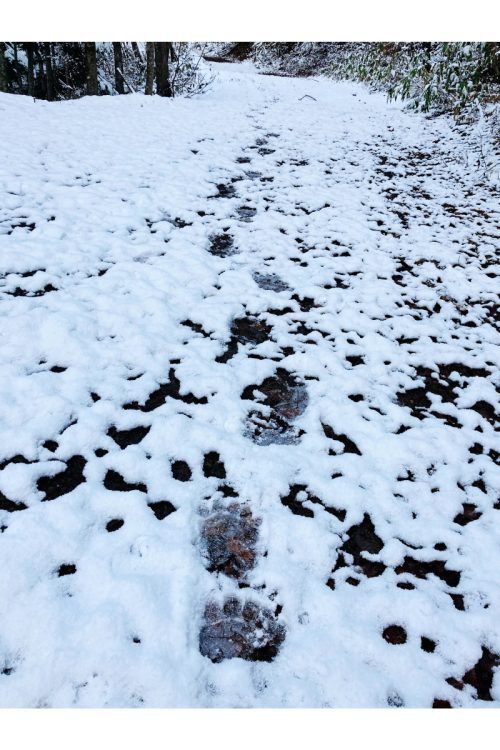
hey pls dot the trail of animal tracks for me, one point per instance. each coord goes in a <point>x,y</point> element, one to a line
<point>248,402</point>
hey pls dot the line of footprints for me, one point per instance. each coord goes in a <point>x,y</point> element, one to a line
<point>237,627</point>
<point>234,628</point>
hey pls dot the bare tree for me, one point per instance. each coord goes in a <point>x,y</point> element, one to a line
<point>30,49</point>
<point>91,60</point>
<point>40,80</point>
<point>162,52</point>
<point>119,79</point>
<point>3,68</point>
<point>49,72</point>
<point>150,67</point>
<point>137,52</point>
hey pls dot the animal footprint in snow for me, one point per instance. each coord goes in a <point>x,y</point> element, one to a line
<point>246,213</point>
<point>229,536</point>
<point>287,398</point>
<point>270,281</point>
<point>222,245</point>
<point>247,631</point>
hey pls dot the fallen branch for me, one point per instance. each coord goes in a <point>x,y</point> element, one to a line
<point>308,96</point>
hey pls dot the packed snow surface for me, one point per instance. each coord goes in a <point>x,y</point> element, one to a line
<point>248,402</point>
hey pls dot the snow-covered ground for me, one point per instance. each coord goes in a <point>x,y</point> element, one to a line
<point>160,261</point>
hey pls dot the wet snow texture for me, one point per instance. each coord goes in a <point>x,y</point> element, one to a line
<point>249,397</point>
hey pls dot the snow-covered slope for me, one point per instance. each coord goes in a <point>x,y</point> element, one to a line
<point>287,290</point>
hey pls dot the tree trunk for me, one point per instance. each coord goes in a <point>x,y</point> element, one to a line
<point>150,67</point>
<point>31,78</point>
<point>117,51</point>
<point>3,68</point>
<point>137,52</point>
<point>41,79</point>
<point>17,67</point>
<point>91,60</point>
<point>162,50</point>
<point>49,73</point>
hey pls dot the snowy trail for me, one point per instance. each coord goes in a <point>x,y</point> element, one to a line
<point>249,398</point>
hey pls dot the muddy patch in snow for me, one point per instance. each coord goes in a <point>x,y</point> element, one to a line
<point>395,634</point>
<point>114,525</point>
<point>362,541</point>
<point>181,471</point>
<point>64,481</point>
<point>162,509</point>
<point>299,494</point>
<point>10,506</point>
<point>423,568</point>
<point>158,397</point>
<point>116,483</point>
<point>245,330</point>
<point>19,222</point>
<point>19,292</point>
<point>124,438</point>
<point>349,446</point>
<point>480,676</point>
<point>213,466</point>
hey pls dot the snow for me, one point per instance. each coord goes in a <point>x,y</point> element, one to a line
<point>381,245</point>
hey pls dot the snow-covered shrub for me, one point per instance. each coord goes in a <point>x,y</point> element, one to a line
<point>186,77</point>
<point>297,58</point>
<point>443,76</point>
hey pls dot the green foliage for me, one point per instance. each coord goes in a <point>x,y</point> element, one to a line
<point>443,76</point>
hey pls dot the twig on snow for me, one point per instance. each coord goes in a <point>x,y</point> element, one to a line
<point>308,96</point>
